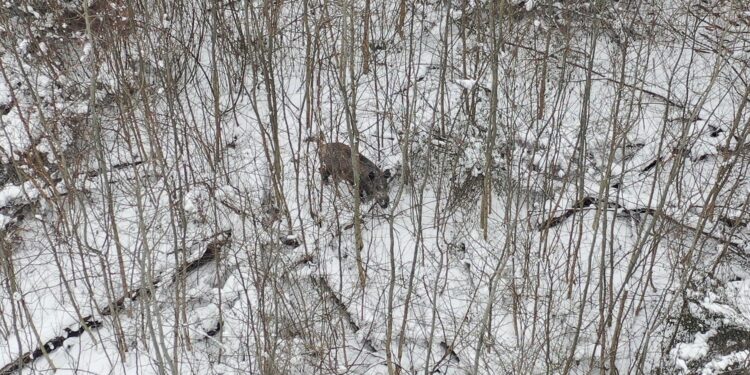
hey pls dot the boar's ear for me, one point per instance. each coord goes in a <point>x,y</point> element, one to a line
<point>387,174</point>
<point>372,175</point>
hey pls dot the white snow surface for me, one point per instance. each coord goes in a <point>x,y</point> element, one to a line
<point>538,298</point>
<point>717,365</point>
<point>684,353</point>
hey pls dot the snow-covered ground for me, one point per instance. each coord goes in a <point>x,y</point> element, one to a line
<point>135,239</point>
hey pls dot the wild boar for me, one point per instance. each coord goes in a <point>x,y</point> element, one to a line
<point>336,162</point>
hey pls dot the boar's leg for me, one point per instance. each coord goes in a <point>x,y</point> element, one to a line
<point>324,173</point>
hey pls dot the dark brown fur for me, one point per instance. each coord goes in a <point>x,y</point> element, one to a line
<point>336,162</point>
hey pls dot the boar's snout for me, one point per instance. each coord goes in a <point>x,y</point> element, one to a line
<point>383,200</point>
<point>376,186</point>
<point>381,193</point>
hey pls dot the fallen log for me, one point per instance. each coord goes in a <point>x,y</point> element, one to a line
<point>212,252</point>
<point>586,202</point>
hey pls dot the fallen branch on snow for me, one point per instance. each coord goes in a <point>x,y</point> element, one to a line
<point>587,202</point>
<point>212,252</point>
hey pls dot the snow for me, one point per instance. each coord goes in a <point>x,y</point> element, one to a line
<point>738,292</point>
<point>86,51</point>
<point>719,364</point>
<point>205,319</point>
<point>683,353</point>
<point>309,298</point>
<point>718,308</point>
<point>11,194</point>
<point>467,83</point>
<point>31,10</point>
<point>23,47</point>
<point>4,220</point>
